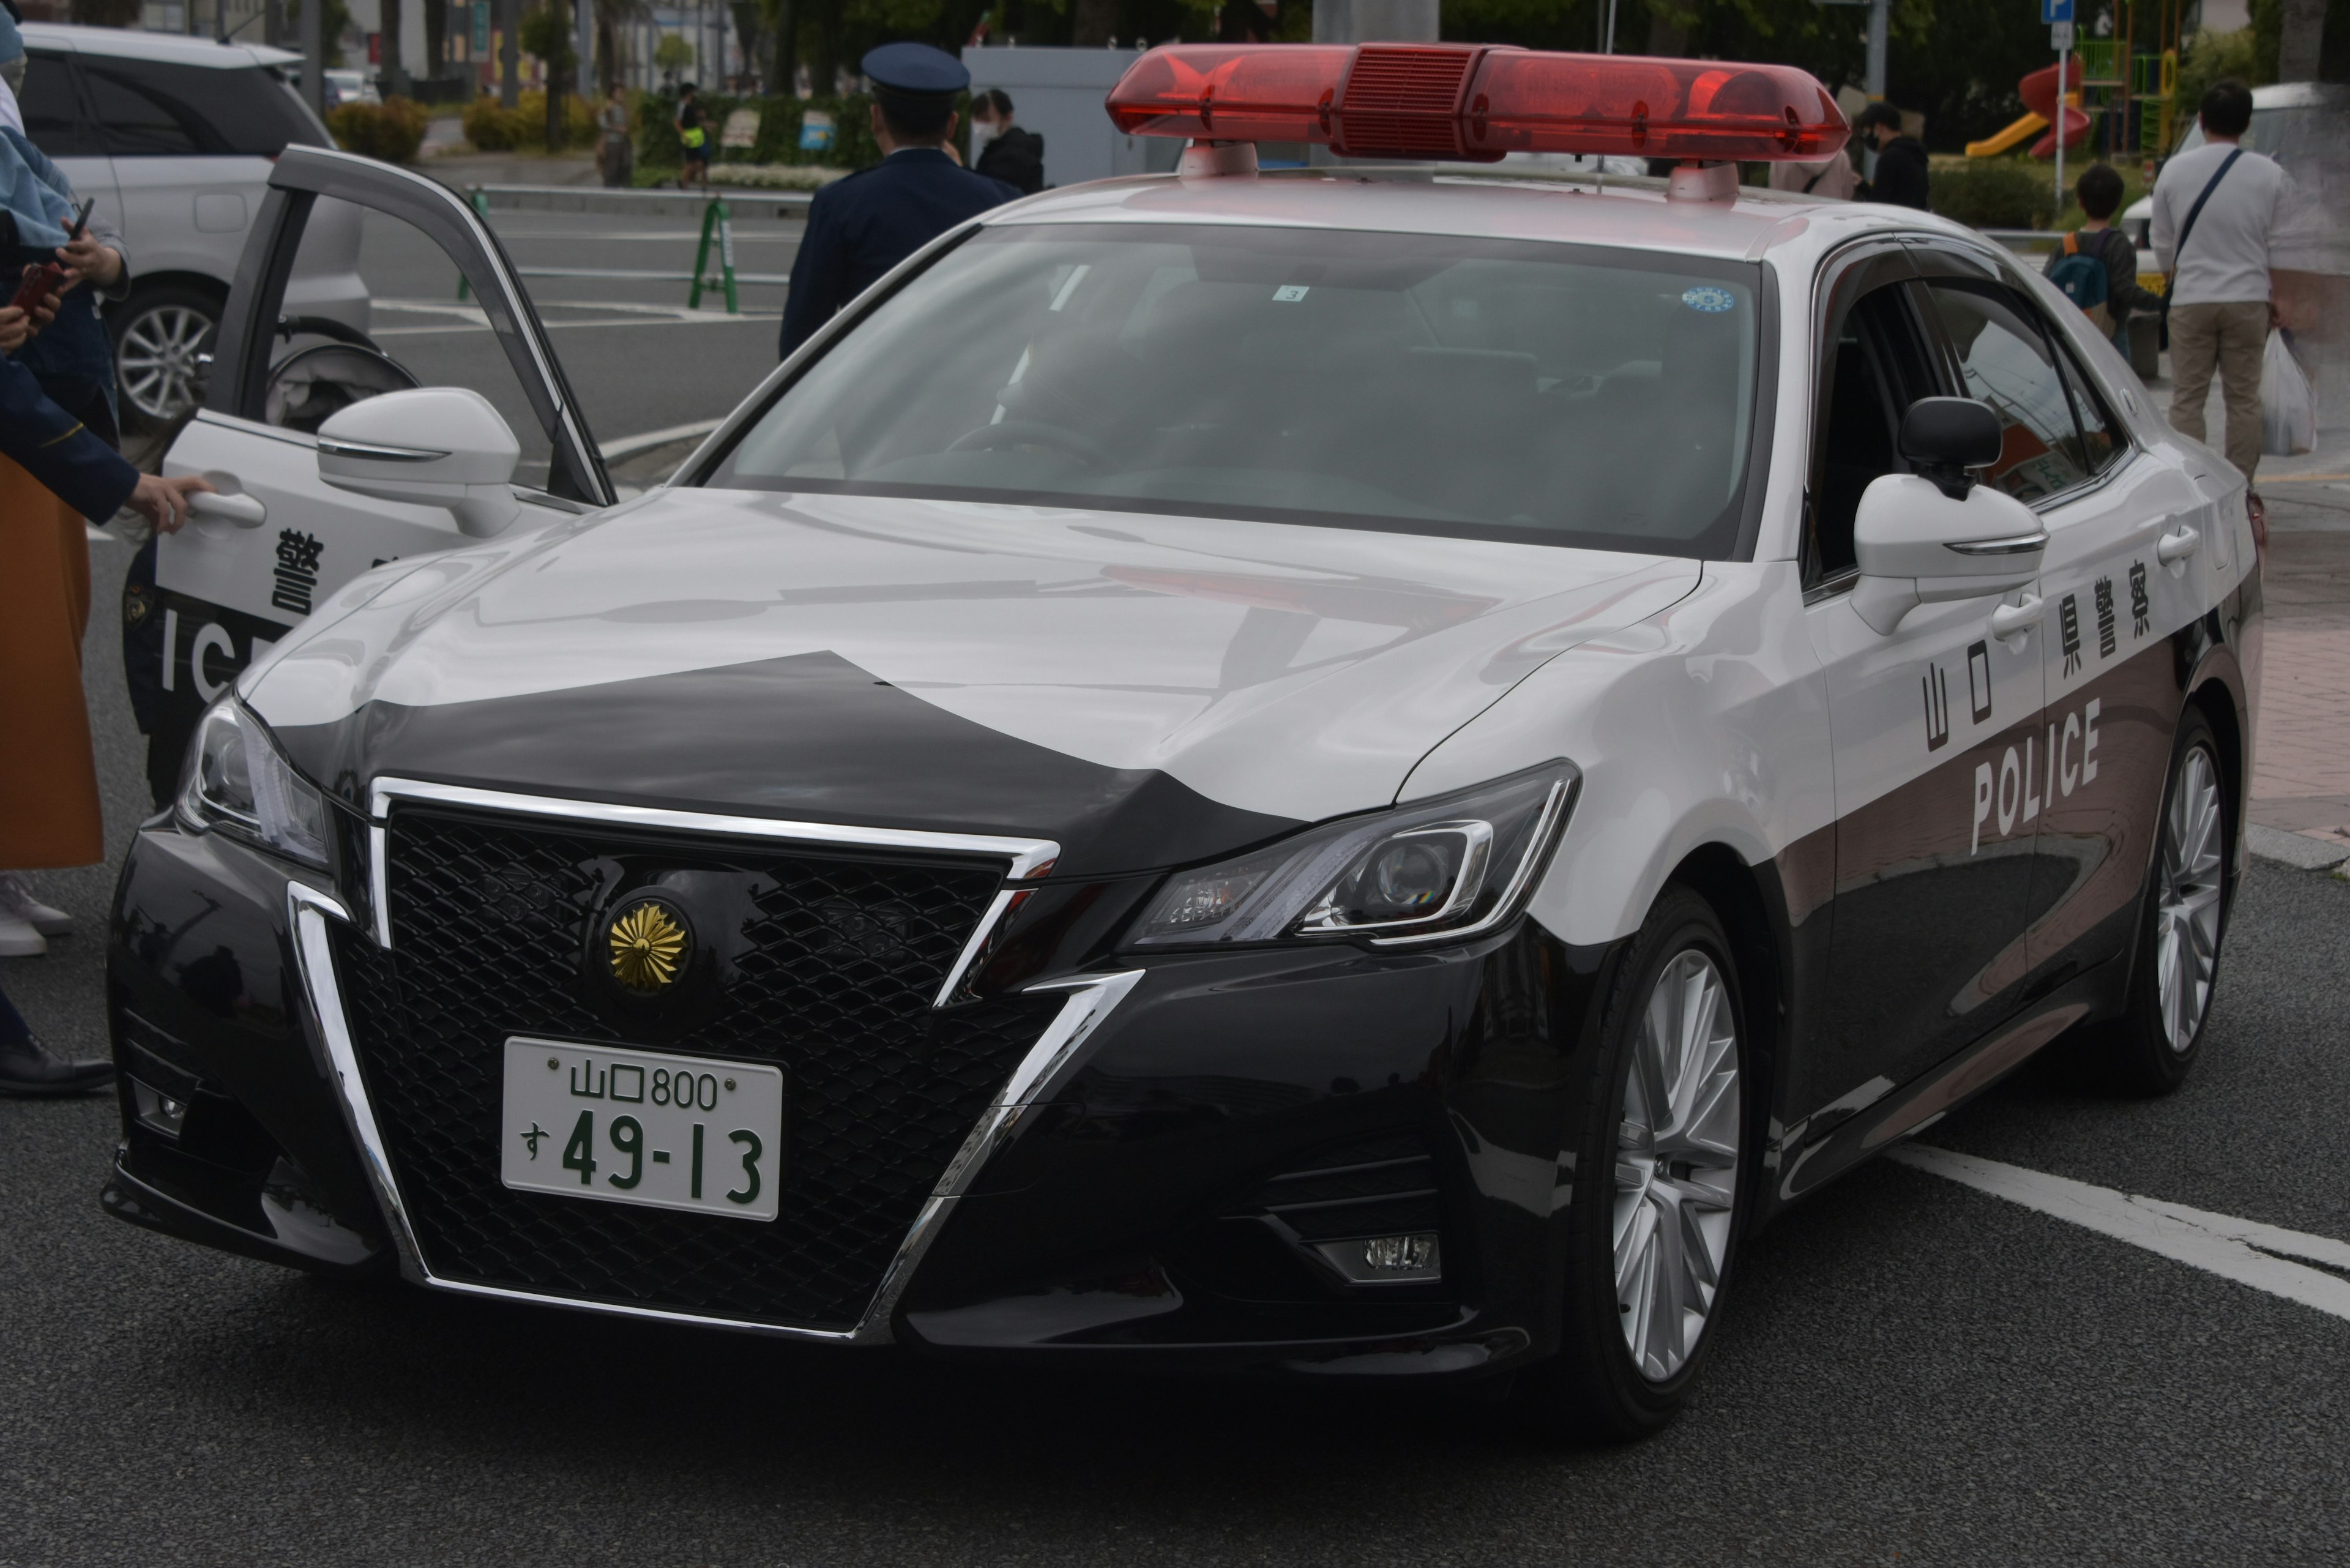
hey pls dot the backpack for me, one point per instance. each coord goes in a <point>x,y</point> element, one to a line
<point>2082,279</point>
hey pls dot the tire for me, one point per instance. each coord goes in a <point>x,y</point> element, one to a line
<point>159,335</point>
<point>1673,1204</point>
<point>2175,962</point>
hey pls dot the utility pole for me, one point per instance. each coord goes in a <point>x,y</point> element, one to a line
<point>2058,15</point>
<point>314,56</point>
<point>509,54</point>
<point>583,43</point>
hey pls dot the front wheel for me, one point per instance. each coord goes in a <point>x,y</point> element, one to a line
<point>1662,1165</point>
<point>2150,1048</point>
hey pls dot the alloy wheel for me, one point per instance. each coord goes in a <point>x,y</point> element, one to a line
<point>1677,1165</point>
<point>158,360</point>
<point>2186,914</point>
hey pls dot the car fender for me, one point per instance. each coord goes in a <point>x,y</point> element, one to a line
<point>1706,723</point>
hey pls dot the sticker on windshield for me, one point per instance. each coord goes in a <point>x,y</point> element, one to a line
<point>1289,294</point>
<point>1712,301</point>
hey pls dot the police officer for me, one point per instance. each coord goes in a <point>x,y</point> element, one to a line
<point>861,227</point>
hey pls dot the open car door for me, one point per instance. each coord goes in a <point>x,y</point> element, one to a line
<point>228,587</point>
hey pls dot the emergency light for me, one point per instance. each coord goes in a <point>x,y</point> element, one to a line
<point>1474,102</point>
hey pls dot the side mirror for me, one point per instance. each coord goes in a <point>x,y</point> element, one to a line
<point>1944,437</point>
<point>432,446</point>
<point>1917,545</point>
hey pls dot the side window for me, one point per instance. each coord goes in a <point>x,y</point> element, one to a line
<point>371,306</point>
<point>2101,438</point>
<point>54,121</point>
<point>2004,359</point>
<point>153,109</point>
<point>1876,367</point>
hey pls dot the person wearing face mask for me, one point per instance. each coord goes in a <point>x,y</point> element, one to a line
<point>1001,149</point>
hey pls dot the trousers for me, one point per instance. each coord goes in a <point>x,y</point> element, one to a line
<point>2230,338</point>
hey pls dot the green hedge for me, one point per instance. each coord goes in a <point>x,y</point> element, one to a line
<point>779,132</point>
<point>1995,192</point>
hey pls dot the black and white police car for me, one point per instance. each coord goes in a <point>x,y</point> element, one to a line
<point>1355,771</point>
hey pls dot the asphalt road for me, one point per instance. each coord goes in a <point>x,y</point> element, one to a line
<point>1911,1371</point>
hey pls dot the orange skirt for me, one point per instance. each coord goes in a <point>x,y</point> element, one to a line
<point>48,777</point>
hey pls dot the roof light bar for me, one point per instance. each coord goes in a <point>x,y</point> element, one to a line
<point>1476,102</point>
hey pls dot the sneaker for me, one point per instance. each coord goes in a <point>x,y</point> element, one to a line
<point>15,901</point>
<point>19,939</point>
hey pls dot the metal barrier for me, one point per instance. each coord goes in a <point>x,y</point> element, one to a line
<point>717,227</point>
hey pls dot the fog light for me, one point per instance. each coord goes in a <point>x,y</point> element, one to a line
<point>159,1112</point>
<point>1410,1259</point>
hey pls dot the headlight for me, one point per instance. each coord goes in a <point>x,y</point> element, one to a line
<point>236,781</point>
<point>1441,869</point>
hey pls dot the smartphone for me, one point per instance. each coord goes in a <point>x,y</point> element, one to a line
<point>41,281</point>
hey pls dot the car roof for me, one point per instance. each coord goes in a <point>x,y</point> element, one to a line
<point>1607,210</point>
<point>2301,95</point>
<point>123,43</point>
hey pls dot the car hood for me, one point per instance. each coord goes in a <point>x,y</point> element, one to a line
<point>1143,689</point>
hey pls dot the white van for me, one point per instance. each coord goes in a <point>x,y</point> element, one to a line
<point>173,138</point>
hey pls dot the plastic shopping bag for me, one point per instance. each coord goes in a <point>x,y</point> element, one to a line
<point>2288,410</point>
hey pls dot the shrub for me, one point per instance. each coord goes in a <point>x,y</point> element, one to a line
<point>391,130</point>
<point>493,128</point>
<point>776,176</point>
<point>778,141</point>
<point>1995,192</point>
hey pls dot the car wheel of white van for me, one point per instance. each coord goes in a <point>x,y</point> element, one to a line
<point>2176,968</point>
<point>160,336</point>
<point>1662,1165</point>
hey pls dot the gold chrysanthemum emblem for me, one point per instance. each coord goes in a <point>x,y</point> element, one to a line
<point>647,947</point>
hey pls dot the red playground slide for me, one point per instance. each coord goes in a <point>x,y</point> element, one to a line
<point>2039,91</point>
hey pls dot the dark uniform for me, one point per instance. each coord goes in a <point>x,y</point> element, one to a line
<point>58,449</point>
<point>861,227</point>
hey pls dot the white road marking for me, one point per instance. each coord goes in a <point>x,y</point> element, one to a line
<point>2241,1250</point>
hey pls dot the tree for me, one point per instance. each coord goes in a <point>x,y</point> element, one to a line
<point>547,34</point>
<point>2300,41</point>
<point>672,54</point>
<point>395,74</point>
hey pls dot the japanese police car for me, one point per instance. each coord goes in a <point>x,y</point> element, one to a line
<point>1357,771</point>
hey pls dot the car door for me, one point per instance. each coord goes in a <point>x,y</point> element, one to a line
<point>59,120</point>
<point>1930,725</point>
<point>230,590</point>
<point>2119,574</point>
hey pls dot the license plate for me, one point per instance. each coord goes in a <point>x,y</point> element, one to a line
<point>635,1127</point>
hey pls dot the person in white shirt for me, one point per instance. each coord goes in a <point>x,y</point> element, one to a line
<point>2218,261</point>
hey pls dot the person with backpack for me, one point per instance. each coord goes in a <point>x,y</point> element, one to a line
<point>2097,269</point>
<point>2215,211</point>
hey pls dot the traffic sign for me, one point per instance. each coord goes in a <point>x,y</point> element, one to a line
<point>2055,11</point>
<point>2060,35</point>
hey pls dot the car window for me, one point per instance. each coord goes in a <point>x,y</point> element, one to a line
<point>1877,367</point>
<point>414,330</point>
<point>54,121</point>
<point>2004,360</point>
<point>2101,438</point>
<point>154,108</point>
<point>1432,384</point>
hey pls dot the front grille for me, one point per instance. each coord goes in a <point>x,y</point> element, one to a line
<point>824,964</point>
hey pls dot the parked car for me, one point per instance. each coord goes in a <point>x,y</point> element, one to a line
<point>173,138</point>
<point>350,87</point>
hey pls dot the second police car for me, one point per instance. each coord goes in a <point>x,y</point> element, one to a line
<point>1357,771</point>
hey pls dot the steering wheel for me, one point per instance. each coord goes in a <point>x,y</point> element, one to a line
<point>1035,433</point>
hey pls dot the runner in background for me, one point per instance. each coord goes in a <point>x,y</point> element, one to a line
<point>693,139</point>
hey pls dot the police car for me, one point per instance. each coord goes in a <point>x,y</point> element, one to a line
<point>1356,771</point>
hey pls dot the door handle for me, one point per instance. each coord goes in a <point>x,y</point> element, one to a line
<point>2009,622</point>
<point>2174,548</point>
<point>245,511</point>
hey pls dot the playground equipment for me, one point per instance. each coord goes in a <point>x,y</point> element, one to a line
<point>2038,91</point>
<point>2117,93</point>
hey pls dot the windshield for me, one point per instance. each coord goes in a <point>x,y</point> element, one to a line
<point>1550,394</point>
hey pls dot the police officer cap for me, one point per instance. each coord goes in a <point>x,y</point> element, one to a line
<point>915,70</point>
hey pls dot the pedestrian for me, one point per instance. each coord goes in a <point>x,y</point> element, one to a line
<point>2215,211</point>
<point>1902,174</point>
<point>861,227</point>
<point>70,360</point>
<point>1831,179</point>
<point>2099,191</point>
<point>48,779</point>
<point>693,139</point>
<point>617,154</point>
<point>1001,149</point>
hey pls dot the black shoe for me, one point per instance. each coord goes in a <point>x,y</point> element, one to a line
<point>29,1068</point>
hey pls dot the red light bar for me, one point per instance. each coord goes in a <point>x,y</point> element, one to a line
<point>1476,101</point>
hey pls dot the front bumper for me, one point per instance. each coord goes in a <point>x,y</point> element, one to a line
<point>1181,1171</point>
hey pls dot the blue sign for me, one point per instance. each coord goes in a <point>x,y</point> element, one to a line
<point>2055,11</point>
